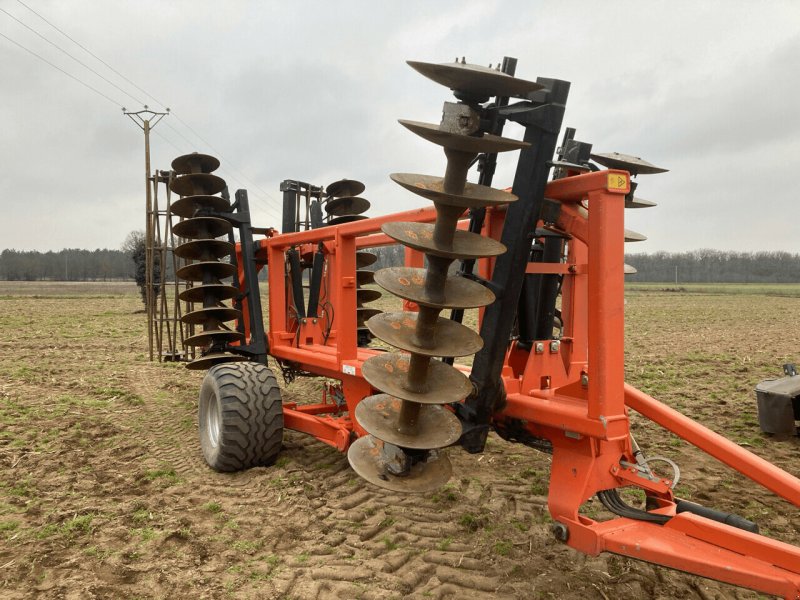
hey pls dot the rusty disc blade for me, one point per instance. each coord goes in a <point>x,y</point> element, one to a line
<point>639,203</point>
<point>204,249</point>
<point>632,164</point>
<point>195,163</point>
<point>364,277</point>
<point>197,184</point>
<point>188,206</point>
<point>362,314</point>
<point>436,427</point>
<point>216,358</point>
<point>214,336</point>
<point>451,338</point>
<point>217,314</point>
<point>365,295</point>
<point>474,80</point>
<point>198,271</point>
<point>365,259</point>
<point>432,188</point>
<point>629,270</point>
<point>419,236</point>
<point>365,457</point>
<point>463,143</point>
<point>345,219</point>
<point>409,284</point>
<point>345,187</point>
<point>634,236</point>
<point>387,373</point>
<point>217,291</point>
<point>347,205</point>
<point>202,227</point>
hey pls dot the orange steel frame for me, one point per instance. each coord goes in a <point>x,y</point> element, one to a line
<point>570,391</point>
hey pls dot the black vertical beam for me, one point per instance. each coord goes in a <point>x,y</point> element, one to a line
<point>553,251</point>
<point>296,281</point>
<point>528,316</point>
<point>289,189</point>
<point>542,121</point>
<point>316,283</point>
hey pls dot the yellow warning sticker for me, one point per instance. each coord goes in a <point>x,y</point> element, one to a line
<point>617,182</point>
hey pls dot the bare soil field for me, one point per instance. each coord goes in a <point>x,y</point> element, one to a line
<point>104,492</point>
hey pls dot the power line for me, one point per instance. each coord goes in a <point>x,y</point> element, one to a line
<point>83,83</point>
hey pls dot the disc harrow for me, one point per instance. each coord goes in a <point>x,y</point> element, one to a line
<point>408,424</point>
<point>201,229</point>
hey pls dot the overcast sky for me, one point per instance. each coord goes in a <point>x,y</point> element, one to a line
<point>312,91</point>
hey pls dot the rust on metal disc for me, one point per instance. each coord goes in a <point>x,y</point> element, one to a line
<point>365,277</point>
<point>367,295</point>
<point>217,314</point>
<point>198,271</point>
<point>432,188</point>
<point>633,164</point>
<point>209,360</point>
<point>634,236</point>
<point>387,372</point>
<point>461,142</point>
<point>212,336</point>
<point>419,236</point>
<point>452,339</point>
<point>347,205</point>
<point>365,259</point>
<point>188,206</point>
<point>202,227</point>
<point>475,80</point>
<point>636,202</point>
<point>345,187</point>
<point>436,426</point>
<point>204,249</point>
<point>202,184</point>
<point>346,219</point>
<point>218,291</point>
<point>195,163</point>
<point>366,459</point>
<point>409,284</point>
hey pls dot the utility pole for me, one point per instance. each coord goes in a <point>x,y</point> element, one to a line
<point>146,120</point>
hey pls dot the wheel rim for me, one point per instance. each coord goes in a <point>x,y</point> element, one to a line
<point>212,420</point>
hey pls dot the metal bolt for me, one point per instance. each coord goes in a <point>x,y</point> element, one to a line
<point>314,321</point>
<point>585,379</point>
<point>560,532</point>
<point>554,345</point>
<point>539,348</point>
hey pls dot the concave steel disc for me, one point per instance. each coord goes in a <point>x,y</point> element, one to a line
<point>218,314</point>
<point>473,80</point>
<point>634,236</point>
<point>345,187</point>
<point>365,457</point>
<point>632,164</point>
<point>345,219</point>
<point>188,206</point>
<point>200,270</point>
<point>204,249</point>
<point>451,339</point>
<point>461,142</point>
<point>409,284</point>
<point>214,336</point>
<point>362,314</point>
<point>419,236</point>
<point>218,291</point>
<point>365,295</point>
<point>365,277</point>
<point>636,202</point>
<point>197,184</point>
<point>436,426</point>
<point>202,227</point>
<point>209,360</point>
<point>387,372</point>
<point>195,163</point>
<point>432,188</point>
<point>365,259</point>
<point>629,270</point>
<point>347,205</point>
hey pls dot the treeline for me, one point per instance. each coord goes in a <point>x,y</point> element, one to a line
<point>70,264</point>
<point>715,266</point>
